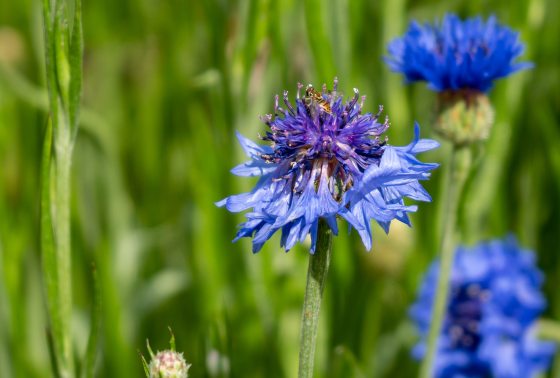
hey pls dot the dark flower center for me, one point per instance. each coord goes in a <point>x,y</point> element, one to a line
<point>465,314</point>
<point>323,136</point>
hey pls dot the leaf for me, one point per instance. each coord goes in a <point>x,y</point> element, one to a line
<point>146,366</point>
<point>172,340</point>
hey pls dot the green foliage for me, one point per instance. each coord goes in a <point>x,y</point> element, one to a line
<point>95,325</point>
<point>48,248</point>
<point>165,86</point>
<point>63,63</point>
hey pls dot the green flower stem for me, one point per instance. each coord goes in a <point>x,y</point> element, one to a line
<point>63,147</point>
<point>63,60</point>
<point>316,277</point>
<point>457,172</point>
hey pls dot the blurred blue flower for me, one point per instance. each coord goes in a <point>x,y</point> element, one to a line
<point>326,159</point>
<point>489,328</point>
<point>457,54</point>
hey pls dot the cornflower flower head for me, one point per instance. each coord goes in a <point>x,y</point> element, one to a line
<point>459,59</point>
<point>326,159</point>
<point>457,54</point>
<point>494,302</point>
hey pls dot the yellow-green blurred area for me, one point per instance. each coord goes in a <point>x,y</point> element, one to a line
<point>166,85</point>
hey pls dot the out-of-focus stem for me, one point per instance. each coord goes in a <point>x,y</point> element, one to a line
<point>457,172</point>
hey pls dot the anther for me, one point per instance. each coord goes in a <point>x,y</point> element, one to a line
<point>362,102</point>
<point>351,104</point>
<point>276,104</point>
<point>288,103</point>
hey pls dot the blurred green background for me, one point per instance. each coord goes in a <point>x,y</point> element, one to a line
<point>166,84</point>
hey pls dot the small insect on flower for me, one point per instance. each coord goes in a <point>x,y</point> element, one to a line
<point>314,100</point>
<point>326,159</point>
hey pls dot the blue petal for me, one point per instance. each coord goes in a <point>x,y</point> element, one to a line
<point>252,149</point>
<point>456,54</point>
<point>254,168</point>
<point>494,287</point>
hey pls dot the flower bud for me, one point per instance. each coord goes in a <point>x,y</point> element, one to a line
<point>464,116</point>
<point>168,364</point>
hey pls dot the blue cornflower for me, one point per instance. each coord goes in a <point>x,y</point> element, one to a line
<point>457,54</point>
<point>489,329</point>
<point>326,159</point>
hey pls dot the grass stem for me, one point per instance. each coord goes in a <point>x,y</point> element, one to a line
<point>63,247</point>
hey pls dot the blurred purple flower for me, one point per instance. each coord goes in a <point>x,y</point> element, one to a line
<point>326,159</point>
<point>495,300</point>
<point>457,54</point>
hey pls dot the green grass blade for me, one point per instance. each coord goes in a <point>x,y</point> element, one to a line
<point>48,251</point>
<point>95,325</point>
<point>50,71</point>
<point>396,102</point>
<point>76,61</point>
<point>63,247</point>
<point>52,354</point>
<point>61,41</point>
<point>320,44</point>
